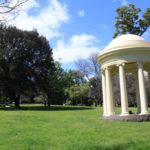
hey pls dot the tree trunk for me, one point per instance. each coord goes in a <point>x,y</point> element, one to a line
<point>17,101</point>
<point>32,99</point>
<point>48,100</point>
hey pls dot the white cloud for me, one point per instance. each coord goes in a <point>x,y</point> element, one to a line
<point>47,20</point>
<point>81,13</point>
<point>29,5</point>
<point>78,47</point>
<point>123,2</point>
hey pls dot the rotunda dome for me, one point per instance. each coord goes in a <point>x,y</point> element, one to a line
<point>126,41</point>
<point>125,48</point>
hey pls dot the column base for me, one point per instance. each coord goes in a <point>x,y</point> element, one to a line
<point>124,114</point>
<point>110,114</point>
<point>105,115</point>
<point>144,113</point>
<point>131,117</point>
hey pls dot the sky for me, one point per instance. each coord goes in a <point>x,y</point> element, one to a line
<point>74,28</point>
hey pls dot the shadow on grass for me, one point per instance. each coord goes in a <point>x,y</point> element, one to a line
<point>118,146</point>
<point>51,108</point>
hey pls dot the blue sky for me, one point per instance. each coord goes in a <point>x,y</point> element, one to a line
<point>74,28</point>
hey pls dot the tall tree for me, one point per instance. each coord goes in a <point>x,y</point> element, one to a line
<point>91,70</point>
<point>25,62</point>
<point>128,20</point>
<point>59,81</point>
<point>96,90</point>
<point>78,91</point>
<point>89,67</point>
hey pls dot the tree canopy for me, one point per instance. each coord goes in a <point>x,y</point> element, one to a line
<point>25,62</point>
<point>128,20</point>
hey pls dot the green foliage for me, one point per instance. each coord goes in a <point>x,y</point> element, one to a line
<point>96,90</point>
<point>128,20</point>
<point>69,128</point>
<point>59,81</point>
<point>78,77</point>
<point>25,63</point>
<point>91,71</point>
<point>78,94</point>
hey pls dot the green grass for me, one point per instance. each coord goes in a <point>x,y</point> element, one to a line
<point>69,128</point>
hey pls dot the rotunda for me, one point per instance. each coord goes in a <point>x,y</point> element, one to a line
<point>125,54</point>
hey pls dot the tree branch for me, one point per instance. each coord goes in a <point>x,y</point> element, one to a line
<point>7,7</point>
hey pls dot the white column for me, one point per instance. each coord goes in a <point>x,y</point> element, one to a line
<point>109,93</point>
<point>123,91</point>
<point>142,89</point>
<point>104,93</point>
<point>149,84</point>
<point>137,92</point>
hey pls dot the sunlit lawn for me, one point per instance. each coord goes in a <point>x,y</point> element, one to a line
<point>69,128</point>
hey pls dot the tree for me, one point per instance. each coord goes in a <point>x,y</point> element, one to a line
<point>77,91</point>
<point>25,63</point>
<point>91,71</point>
<point>128,20</point>
<point>78,77</point>
<point>78,94</point>
<point>10,8</point>
<point>89,67</point>
<point>96,90</point>
<point>59,81</point>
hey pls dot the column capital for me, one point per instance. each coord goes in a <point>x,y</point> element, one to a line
<point>120,64</point>
<point>108,68</point>
<point>105,68</point>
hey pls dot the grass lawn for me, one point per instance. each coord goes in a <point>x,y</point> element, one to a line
<point>69,128</point>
